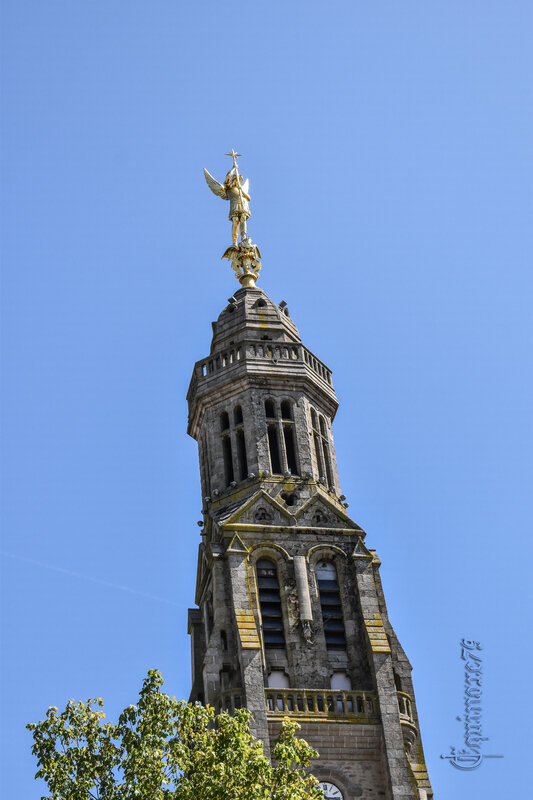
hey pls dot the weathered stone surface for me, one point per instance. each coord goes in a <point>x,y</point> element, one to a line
<point>261,407</point>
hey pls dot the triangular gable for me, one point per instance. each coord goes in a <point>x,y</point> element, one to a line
<point>260,509</point>
<point>237,545</point>
<point>320,512</point>
<point>360,551</point>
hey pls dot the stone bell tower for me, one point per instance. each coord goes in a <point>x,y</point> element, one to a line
<point>291,618</point>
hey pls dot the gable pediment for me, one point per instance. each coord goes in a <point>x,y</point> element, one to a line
<point>319,512</point>
<point>260,509</point>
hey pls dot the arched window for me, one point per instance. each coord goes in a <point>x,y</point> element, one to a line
<point>227,454</point>
<point>317,443</point>
<point>270,604</point>
<point>325,448</point>
<point>281,438</point>
<point>233,439</point>
<point>272,434</point>
<point>286,410</point>
<point>270,411</point>
<point>330,603</point>
<point>241,453</point>
<point>224,421</point>
<point>290,447</point>
<point>241,443</point>
<point>273,446</point>
<point>321,443</point>
<point>289,436</point>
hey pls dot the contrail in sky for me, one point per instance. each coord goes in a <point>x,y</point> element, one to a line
<point>89,578</point>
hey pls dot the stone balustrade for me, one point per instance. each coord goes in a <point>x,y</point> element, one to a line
<point>258,351</point>
<point>404,705</point>
<point>409,729</point>
<point>229,700</point>
<point>317,702</point>
<point>321,703</point>
<point>313,703</point>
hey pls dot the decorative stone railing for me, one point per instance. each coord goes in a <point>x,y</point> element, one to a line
<point>321,703</point>
<point>404,705</point>
<point>407,722</point>
<point>257,351</point>
<point>229,700</point>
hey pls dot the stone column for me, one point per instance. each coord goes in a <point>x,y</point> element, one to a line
<point>395,761</point>
<point>250,656</point>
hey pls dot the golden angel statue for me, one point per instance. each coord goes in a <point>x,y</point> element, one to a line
<point>234,190</point>
<point>245,256</point>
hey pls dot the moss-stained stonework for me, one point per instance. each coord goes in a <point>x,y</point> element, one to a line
<point>376,634</point>
<point>338,667</point>
<point>247,629</point>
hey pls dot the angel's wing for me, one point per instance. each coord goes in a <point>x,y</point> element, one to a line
<point>215,186</point>
<point>246,186</point>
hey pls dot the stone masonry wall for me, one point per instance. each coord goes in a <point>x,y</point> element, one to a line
<point>350,756</point>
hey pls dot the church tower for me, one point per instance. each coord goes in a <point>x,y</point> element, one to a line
<point>291,618</point>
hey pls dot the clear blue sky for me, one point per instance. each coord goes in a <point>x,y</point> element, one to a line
<point>389,147</point>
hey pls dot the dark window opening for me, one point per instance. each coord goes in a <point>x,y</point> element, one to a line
<point>290,449</point>
<point>225,678</point>
<point>318,454</point>
<point>269,409</point>
<point>241,453</point>
<point>261,303</point>
<point>270,604</point>
<point>330,603</point>
<point>224,421</point>
<point>228,460</point>
<point>224,640</point>
<point>273,446</point>
<point>322,452</point>
<point>289,497</point>
<point>286,410</point>
<point>329,473</point>
<point>237,415</point>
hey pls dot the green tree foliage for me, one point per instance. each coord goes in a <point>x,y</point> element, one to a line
<point>163,749</point>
